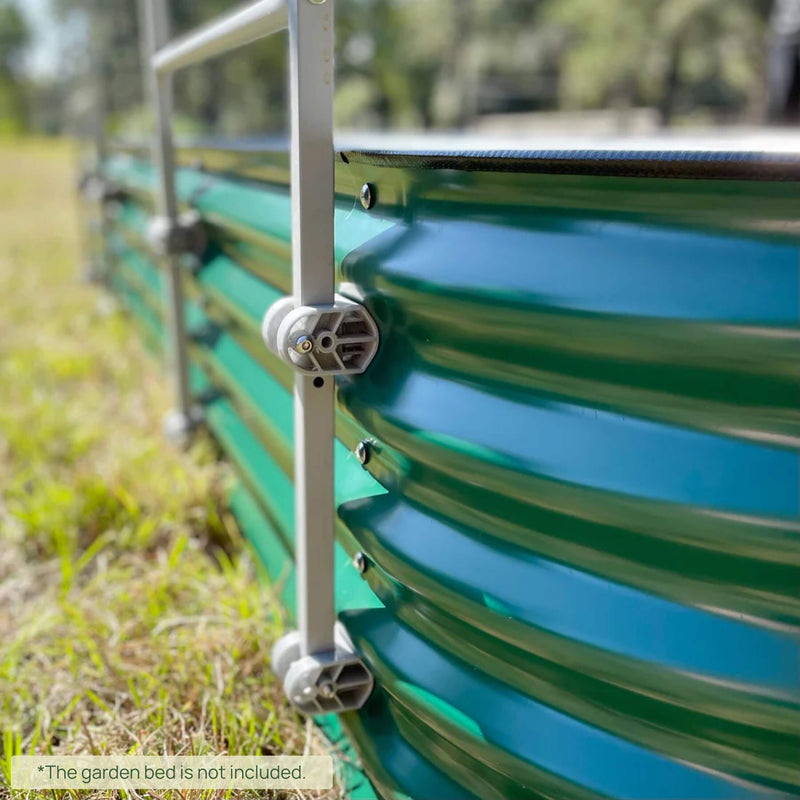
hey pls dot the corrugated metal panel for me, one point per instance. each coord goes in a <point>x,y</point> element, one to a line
<point>581,513</point>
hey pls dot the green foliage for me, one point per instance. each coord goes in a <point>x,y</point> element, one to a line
<point>14,38</point>
<point>418,63</point>
<point>14,35</point>
<point>659,52</point>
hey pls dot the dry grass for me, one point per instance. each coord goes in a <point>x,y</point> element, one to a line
<point>130,619</point>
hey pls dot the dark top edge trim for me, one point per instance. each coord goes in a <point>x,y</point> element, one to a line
<point>634,164</point>
<point>688,164</point>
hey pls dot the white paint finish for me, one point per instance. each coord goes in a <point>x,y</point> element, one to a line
<point>313,279</point>
<point>241,27</point>
<point>157,33</point>
<point>313,266</point>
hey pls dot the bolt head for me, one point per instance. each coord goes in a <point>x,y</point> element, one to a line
<point>303,344</point>
<point>363,451</point>
<point>326,690</point>
<point>367,196</point>
<point>360,562</point>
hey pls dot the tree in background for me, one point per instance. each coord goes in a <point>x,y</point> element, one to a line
<point>416,63</point>
<point>446,63</point>
<point>672,55</point>
<point>14,37</point>
<point>224,96</point>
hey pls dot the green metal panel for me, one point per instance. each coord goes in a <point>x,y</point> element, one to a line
<point>581,512</point>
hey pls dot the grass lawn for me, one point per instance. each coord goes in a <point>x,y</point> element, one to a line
<point>131,620</point>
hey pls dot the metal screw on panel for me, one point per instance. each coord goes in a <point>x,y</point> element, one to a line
<point>326,690</point>
<point>367,196</point>
<point>363,451</point>
<point>360,562</point>
<point>303,344</point>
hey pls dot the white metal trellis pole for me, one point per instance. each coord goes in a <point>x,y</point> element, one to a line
<point>100,263</point>
<point>240,27</point>
<point>317,664</point>
<point>313,279</point>
<point>157,32</point>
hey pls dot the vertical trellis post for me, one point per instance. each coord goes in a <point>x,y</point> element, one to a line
<point>319,333</point>
<point>184,416</point>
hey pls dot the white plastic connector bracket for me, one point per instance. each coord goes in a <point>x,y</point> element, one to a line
<point>322,683</point>
<point>336,339</point>
<point>186,234</point>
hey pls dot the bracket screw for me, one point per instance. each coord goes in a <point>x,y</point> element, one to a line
<point>363,452</point>
<point>326,690</point>
<point>360,562</point>
<point>303,344</point>
<point>367,196</point>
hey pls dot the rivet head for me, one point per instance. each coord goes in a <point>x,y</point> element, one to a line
<point>363,451</point>
<point>303,344</point>
<point>367,196</point>
<point>360,562</point>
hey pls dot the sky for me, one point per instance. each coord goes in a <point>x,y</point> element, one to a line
<point>43,57</point>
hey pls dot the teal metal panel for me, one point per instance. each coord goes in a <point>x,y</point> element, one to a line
<point>581,510</point>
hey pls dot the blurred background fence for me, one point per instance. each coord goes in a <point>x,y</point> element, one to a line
<point>510,66</point>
